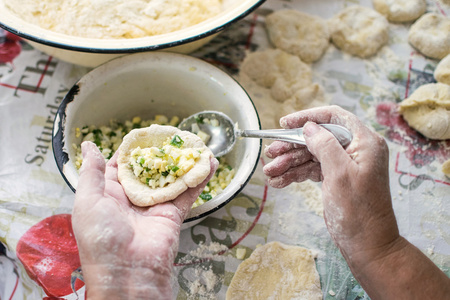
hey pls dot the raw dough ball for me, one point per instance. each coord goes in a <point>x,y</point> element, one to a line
<point>442,71</point>
<point>359,30</point>
<point>431,35</point>
<point>276,271</point>
<point>310,96</point>
<point>141,194</point>
<point>298,33</point>
<point>427,110</point>
<point>400,10</point>
<point>280,71</point>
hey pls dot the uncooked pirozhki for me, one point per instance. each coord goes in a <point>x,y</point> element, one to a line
<point>430,34</point>
<point>147,141</point>
<point>427,110</point>
<point>359,31</point>
<point>399,11</point>
<point>298,33</point>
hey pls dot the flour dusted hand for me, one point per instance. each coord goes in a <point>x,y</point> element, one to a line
<point>357,203</point>
<point>126,252</point>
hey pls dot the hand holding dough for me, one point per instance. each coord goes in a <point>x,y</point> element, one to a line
<point>126,252</point>
<point>427,110</point>
<point>139,192</point>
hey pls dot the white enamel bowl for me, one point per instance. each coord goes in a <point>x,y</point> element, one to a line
<point>147,84</point>
<point>93,52</point>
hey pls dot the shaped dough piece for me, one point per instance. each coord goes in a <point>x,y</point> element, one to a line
<point>297,33</point>
<point>442,71</point>
<point>359,30</point>
<point>431,35</point>
<point>427,110</point>
<point>141,194</point>
<point>398,11</point>
<point>278,70</point>
<point>446,168</point>
<point>276,271</point>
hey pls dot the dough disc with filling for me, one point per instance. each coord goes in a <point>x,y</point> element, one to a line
<point>359,30</point>
<point>427,110</point>
<point>141,194</point>
<point>431,35</point>
<point>276,271</point>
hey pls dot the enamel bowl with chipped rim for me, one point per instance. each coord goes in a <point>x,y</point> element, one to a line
<point>151,83</point>
<point>92,52</point>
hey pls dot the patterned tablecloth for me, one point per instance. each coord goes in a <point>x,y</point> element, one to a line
<point>35,202</point>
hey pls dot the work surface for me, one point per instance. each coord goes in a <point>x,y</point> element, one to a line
<point>31,188</point>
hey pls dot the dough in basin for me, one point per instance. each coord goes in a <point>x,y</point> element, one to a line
<point>276,271</point>
<point>278,70</point>
<point>399,11</point>
<point>298,33</point>
<point>442,71</point>
<point>142,194</point>
<point>427,110</point>
<point>430,35</point>
<point>359,30</point>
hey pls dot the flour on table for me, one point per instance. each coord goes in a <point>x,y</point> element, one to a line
<point>359,30</point>
<point>115,19</point>
<point>276,271</point>
<point>400,10</point>
<point>430,35</point>
<point>298,33</point>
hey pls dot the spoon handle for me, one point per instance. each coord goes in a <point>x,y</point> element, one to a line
<point>296,135</point>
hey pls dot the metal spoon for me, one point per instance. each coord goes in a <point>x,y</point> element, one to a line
<point>223,132</point>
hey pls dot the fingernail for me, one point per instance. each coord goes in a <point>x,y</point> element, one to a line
<point>310,129</point>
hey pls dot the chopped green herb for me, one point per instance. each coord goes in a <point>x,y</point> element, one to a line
<point>147,180</point>
<point>174,168</point>
<point>205,196</point>
<point>165,173</point>
<point>141,161</point>
<point>199,119</point>
<point>177,141</point>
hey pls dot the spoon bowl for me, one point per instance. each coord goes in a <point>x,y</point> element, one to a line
<point>219,132</point>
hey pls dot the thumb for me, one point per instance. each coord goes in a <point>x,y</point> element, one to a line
<point>91,184</point>
<point>325,148</point>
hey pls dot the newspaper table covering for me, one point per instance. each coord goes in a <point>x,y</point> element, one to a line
<point>35,202</point>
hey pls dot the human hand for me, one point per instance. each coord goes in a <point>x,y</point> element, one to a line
<point>126,252</point>
<point>355,181</point>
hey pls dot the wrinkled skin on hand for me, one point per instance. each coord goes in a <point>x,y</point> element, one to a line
<point>355,180</point>
<point>357,204</point>
<point>126,252</point>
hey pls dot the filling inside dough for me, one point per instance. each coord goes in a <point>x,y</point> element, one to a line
<point>160,166</point>
<point>158,163</point>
